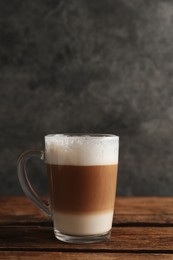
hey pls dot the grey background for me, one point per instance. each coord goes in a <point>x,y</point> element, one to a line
<point>89,66</point>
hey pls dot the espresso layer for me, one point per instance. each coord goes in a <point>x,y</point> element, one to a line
<point>82,189</point>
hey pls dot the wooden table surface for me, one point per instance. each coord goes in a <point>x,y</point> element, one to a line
<point>142,229</point>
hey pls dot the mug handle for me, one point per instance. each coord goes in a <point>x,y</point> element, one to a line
<point>25,183</point>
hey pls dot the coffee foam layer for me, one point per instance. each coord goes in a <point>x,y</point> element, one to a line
<point>91,224</point>
<point>81,150</point>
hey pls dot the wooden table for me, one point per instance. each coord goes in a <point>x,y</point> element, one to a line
<point>142,229</point>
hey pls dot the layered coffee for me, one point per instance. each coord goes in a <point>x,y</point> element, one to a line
<point>82,178</point>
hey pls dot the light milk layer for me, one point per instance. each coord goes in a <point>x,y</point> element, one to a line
<point>81,150</point>
<point>91,224</point>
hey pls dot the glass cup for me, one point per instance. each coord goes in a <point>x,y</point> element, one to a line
<point>82,176</point>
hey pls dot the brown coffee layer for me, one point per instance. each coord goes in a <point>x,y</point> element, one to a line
<point>82,189</point>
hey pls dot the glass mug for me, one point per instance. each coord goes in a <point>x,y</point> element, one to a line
<point>82,175</point>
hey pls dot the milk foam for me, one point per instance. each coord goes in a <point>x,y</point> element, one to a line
<point>91,224</point>
<point>81,150</point>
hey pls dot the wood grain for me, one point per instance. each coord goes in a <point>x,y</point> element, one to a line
<point>128,211</point>
<point>125,239</point>
<point>10,255</point>
<point>144,211</point>
<point>142,228</point>
<point>20,210</point>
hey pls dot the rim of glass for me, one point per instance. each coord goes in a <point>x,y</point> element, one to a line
<point>81,135</point>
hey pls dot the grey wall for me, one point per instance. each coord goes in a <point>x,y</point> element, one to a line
<point>89,66</point>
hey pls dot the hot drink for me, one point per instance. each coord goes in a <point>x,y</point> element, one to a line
<point>82,180</point>
<point>82,175</point>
